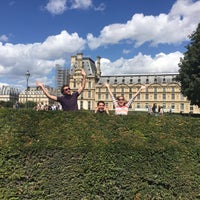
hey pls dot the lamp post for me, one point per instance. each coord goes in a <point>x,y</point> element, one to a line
<point>27,77</point>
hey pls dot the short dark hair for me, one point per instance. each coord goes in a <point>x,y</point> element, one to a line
<point>100,102</point>
<point>62,88</point>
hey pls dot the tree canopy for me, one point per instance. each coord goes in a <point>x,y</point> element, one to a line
<point>189,69</point>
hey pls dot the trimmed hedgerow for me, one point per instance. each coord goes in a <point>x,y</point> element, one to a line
<point>82,155</point>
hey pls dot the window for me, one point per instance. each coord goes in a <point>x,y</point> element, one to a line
<point>164,96</point>
<point>173,96</point>
<point>182,106</point>
<point>89,105</point>
<point>146,96</point>
<point>164,106</point>
<point>164,89</point>
<point>155,95</point>
<point>81,105</point>
<point>191,108</point>
<point>89,84</point>
<point>107,95</point>
<point>89,94</point>
<point>181,97</point>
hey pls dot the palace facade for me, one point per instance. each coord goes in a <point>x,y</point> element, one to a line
<point>162,88</point>
<point>36,95</point>
<point>8,93</point>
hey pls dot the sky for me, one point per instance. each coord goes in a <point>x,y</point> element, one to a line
<point>130,36</point>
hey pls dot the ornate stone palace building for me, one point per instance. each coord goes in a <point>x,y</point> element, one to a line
<point>8,93</point>
<point>36,95</point>
<point>162,88</point>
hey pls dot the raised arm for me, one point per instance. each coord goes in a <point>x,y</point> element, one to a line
<point>138,92</point>
<point>80,90</point>
<point>135,95</point>
<point>109,90</point>
<point>46,91</point>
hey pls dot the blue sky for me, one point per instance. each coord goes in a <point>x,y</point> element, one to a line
<point>130,36</point>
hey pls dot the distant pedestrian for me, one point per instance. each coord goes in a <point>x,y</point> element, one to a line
<point>150,112</point>
<point>154,108</point>
<point>160,110</point>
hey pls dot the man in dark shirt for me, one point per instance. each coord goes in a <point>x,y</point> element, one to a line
<point>68,100</point>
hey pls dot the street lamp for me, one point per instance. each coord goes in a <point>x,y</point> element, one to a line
<point>27,77</point>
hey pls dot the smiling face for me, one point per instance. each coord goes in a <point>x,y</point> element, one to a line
<point>66,90</point>
<point>101,106</point>
<point>120,101</point>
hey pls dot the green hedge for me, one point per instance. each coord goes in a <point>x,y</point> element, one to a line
<point>85,156</point>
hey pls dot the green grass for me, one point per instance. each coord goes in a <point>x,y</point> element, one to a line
<point>84,156</point>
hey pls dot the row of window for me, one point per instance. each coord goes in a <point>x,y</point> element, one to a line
<point>147,81</point>
<point>155,96</point>
<point>155,89</point>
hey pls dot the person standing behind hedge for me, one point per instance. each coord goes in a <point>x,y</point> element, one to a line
<point>69,100</point>
<point>101,108</point>
<point>121,106</point>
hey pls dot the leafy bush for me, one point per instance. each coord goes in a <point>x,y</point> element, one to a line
<point>82,155</point>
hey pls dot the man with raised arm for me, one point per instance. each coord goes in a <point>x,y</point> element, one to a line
<point>68,100</point>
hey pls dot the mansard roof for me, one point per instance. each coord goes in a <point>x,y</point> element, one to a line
<point>7,90</point>
<point>88,65</point>
<point>139,78</point>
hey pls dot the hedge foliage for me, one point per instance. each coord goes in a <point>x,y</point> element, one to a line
<point>54,155</point>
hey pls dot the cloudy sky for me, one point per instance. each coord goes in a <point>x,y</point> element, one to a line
<point>131,36</point>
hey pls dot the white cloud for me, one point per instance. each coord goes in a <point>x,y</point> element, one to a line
<point>81,4</point>
<point>100,7</point>
<point>3,38</point>
<point>126,51</point>
<point>142,64</point>
<point>173,28</point>
<point>56,7</point>
<point>38,58</point>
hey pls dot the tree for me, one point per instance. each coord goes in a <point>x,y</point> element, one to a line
<point>189,69</point>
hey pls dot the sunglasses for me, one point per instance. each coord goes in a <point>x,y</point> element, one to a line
<point>67,89</point>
